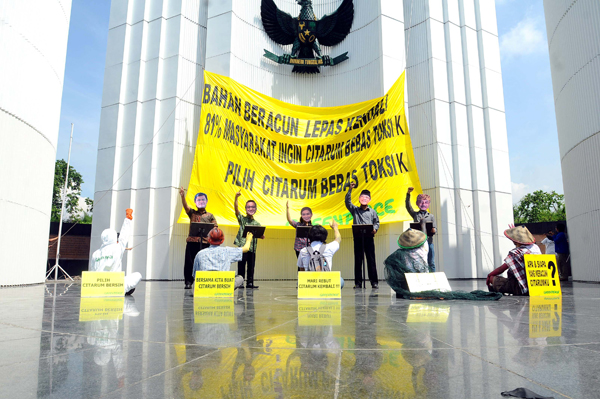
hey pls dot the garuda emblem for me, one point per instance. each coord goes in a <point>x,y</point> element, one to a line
<point>306,34</point>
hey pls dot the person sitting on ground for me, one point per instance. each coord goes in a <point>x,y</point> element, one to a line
<point>218,258</point>
<point>516,281</point>
<point>317,237</point>
<point>411,257</point>
<point>108,257</point>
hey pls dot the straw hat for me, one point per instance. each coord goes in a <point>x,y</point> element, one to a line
<point>411,238</point>
<point>520,235</point>
<point>216,236</point>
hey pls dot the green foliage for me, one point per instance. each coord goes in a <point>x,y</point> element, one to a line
<point>73,190</point>
<point>540,206</point>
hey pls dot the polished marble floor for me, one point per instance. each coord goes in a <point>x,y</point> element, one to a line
<point>266,344</point>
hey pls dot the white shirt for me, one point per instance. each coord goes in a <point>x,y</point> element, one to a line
<point>549,246</point>
<point>330,249</point>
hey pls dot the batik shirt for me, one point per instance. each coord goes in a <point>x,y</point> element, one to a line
<point>200,216</point>
<point>245,221</point>
<point>515,261</point>
<point>300,242</point>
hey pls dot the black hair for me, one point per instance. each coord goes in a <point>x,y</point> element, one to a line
<point>317,233</point>
<point>200,195</point>
<point>254,202</point>
<point>560,227</point>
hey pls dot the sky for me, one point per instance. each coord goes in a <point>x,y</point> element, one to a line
<point>528,96</point>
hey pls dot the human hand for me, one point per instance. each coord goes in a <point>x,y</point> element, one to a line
<point>410,189</point>
<point>249,236</point>
<point>129,213</point>
<point>287,204</point>
<point>374,231</point>
<point>352,185</point>
<point>333,224</point>
<point>488,280</point>
<point>238,193</point>
<point>181,192</point>
<point>262,237</point>
<point>434,230</point>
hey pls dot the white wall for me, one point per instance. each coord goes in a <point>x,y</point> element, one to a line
<point>33,47</point>
<point>574,44</point>
<point>455,110</point>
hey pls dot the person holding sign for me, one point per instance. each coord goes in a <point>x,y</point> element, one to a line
<point>108,257</point>
<point>363,245</point>
<point>194,244</point>
<point>305,220</point>
<point>423,217</point>
<point>318,249</point>
<point>218,258</point>
<point>516,281</point>
<point>249,257</point>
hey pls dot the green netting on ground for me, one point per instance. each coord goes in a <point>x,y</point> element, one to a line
<point>395,268</point>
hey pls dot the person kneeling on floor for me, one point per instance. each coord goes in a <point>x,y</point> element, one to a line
<point>516,281</point>
<point>108,258</point>
<point>218,258</point>
<point>411,257</point>
<point>318,255</point>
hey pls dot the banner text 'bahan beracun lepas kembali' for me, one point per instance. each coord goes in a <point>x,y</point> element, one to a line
<point>276,152</point>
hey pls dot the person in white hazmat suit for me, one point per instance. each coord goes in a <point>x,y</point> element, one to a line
<point>108,258</point>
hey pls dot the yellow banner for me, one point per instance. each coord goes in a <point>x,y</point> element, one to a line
<point>214,284</point>
<point>214,310</point>
<point>274,152</point>
<point>319,285</point>
<point>97,284</point>
<point>545,316</point>
<point>101,309</point>
<point>542,275</point>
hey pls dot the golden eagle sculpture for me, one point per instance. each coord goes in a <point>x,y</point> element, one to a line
<point>306,34</point>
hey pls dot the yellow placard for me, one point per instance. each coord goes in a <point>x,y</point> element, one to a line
<point>319,285</point>
<point>98,284</point>
<point>316,312</point>
<point>418,282</point>
<point>542,275</point>
<point>214,310</point>
<point>274,152</point>
<point>427,313</point>
<point>101,308</point>
<point>214,284</point>
<point>545,316</point>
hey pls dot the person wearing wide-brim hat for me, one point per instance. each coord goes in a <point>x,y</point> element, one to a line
<point>516,281</point>
<point>411,257</point>
<point>218,258</point>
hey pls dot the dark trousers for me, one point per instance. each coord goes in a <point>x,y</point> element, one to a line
<point>367,249</point>
<point>250,259</point>
<point>431,258</point>
<point>564,266</point>
<point>191,249</point>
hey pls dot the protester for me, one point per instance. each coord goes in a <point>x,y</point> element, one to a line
<point>218,258</point>
<point>411,257</point>
<point>108,258</point>
<point>195,244</point>
<point>423,217</point>
<point>318,236</point>
<point>549,244</point>
<point>249,257</point>
<point>516,281</point>
<point>563,256</point>
<point>363,245</point>
<point>305,220</point>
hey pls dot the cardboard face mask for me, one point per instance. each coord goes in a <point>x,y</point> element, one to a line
<point>201,201</point>
<point>306,216</point>
<point>250,208</point>
<point>364,199</point>
<point>424,204</point>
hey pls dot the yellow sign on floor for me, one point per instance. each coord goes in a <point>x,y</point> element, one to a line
<point>110,308</point>
<point>545,316</point>
<point>214,284</point>
<point>319,285</point>
<point>98,284</point>
<point>542,275</point>
<point>316,312</point>
<point>214,310</point>
<point>427,313</point>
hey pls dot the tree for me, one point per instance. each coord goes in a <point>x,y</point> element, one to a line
<point>540,206</point>
<point>73,190</point>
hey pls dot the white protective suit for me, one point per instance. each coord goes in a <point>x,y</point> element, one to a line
<point>108,257</point>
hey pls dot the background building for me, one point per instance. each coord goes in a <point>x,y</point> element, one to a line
<point>33,49</point>
<point>151,106</point>
<point>574,45</point>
